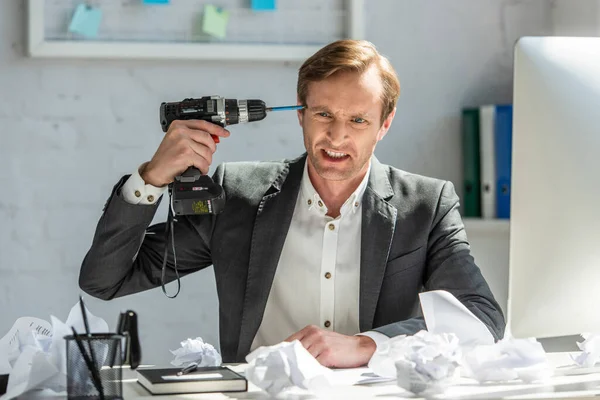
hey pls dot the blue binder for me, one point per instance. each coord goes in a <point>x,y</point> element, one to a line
<point>503,150</point>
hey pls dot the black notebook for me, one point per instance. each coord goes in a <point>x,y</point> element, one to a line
<point>202,380</point>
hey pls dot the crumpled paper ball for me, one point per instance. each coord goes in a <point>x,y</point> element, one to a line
<point>196,351</point>
<point>506,360</point>
<point>421,362</point>
<point>286,365</point>
<point>590,350</point>
<point>33,352</point>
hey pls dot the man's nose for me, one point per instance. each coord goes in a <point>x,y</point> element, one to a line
<point>337,132</point>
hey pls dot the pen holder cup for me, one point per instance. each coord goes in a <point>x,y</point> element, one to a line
<point>105,349</point>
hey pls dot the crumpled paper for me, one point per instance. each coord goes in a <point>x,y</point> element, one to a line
<point>35,351</point>
<point>196,351</point>
<point>444,313</point>
<point>506,360</point>
<point>25,332</point>
<point>590,350</point>
<point>283,366</point>
<point>421,362</point>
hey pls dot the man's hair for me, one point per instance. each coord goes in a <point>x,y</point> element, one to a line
<point>350,56</point>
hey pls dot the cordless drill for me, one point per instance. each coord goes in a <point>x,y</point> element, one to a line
<point>194,193</point>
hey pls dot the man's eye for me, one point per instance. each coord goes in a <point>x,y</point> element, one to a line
<point>323,114</point>
<point>359,120</point>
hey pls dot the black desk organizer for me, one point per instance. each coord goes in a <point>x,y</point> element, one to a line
<point>3,383</point>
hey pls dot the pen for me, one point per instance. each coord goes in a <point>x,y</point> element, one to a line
<point>87,329</point>
<point>95,372</point>
<point>190,368</point>
<point>96,380</point>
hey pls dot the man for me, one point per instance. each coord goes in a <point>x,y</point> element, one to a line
<point>331,249</point>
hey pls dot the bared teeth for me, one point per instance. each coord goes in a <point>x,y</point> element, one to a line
<point>334,154</point>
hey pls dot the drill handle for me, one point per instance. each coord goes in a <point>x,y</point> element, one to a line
<point>192,174</point>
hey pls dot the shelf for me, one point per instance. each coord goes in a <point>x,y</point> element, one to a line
<point>479,225</point>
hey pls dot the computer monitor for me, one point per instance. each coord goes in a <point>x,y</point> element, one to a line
<point>554,271</point>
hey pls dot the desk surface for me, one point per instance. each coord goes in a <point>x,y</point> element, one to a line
<point>579,386</point>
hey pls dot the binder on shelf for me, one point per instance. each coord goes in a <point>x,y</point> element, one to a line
<point>503,159</point>
<point>471,163</point>
<point>487,124</point>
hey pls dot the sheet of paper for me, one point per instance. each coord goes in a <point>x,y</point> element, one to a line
<point>75,319</point>
<point>40,356</point>
<point>86,21</point>
<point>5,367</point>
<point>590,350</point>
<point>507,360</point>
<point>443,313</point>
<point>30,371</point>
<point>214,21</point>
<point>191,377</point>
<point>26,331</point>
<point>356,376</point>
<point>263,5</point>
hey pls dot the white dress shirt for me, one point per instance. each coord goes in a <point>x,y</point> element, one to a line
<point>136,191</point>
<point>317,280</point>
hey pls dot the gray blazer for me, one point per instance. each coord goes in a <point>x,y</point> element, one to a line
<point>412,239</point>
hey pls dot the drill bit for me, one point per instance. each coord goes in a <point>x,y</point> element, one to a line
<point>284,108</point>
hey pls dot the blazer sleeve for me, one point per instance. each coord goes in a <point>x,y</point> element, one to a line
<point>126,254</point>
<point>451,267</point>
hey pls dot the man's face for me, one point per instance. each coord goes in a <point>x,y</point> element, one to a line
<point>342,123</point>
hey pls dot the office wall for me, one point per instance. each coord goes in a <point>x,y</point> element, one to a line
<point>576,18</point>
<point>71,128</point>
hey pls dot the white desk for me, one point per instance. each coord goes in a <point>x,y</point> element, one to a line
<point>568,386</point>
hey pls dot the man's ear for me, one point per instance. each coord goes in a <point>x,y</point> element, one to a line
<point>300,112</point>
<point>386,125</point>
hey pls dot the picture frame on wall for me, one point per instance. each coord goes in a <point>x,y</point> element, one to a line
<point>131,29</point>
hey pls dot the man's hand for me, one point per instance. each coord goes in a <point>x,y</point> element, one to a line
<point>334,349</point>
<point>187,143</point>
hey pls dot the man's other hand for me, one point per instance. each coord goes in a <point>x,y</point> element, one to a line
<point>333,349</point>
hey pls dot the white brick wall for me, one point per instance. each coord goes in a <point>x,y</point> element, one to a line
<point>70,129</point>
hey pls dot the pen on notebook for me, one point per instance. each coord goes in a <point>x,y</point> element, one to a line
<point>188,369</point>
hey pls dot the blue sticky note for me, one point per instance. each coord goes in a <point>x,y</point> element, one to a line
<point>155,1</point>
<point>86,20</point>
<point>263,5</point>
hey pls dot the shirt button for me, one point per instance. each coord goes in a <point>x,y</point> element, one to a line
<point>309,202</point>
<point>327,324</point>
<point>320,203</point>
<point>137,193</point>
<point>150,198</point>
<point>331,227</point>
<point>356,204</point>
<point>327,275</point>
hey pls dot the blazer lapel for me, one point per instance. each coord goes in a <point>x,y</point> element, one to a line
<point>272,223</point>
<point>378,224</point>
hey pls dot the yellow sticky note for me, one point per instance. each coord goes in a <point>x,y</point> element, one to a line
<point>214,21</point>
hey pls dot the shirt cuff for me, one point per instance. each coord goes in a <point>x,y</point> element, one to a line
<point>378,338</point>
<point>136,191</point>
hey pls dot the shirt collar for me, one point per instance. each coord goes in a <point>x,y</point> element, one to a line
<point>312,200</point>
